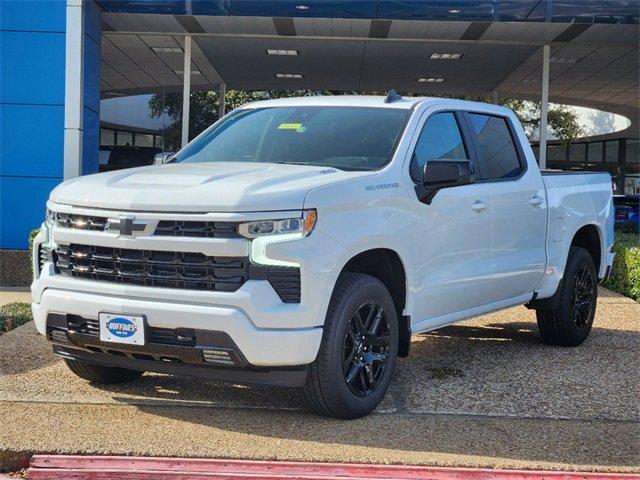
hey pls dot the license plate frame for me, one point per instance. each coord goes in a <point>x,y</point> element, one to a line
<point>122,328</point>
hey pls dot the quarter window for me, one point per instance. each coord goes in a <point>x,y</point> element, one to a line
<point>440,139</point>
<point>497,153</point>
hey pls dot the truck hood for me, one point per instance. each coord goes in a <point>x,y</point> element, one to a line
<point>200,187</point>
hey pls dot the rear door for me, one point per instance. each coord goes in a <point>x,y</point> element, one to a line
<point>518,207</point>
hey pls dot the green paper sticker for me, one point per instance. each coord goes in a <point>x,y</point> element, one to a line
<point>289,126</point>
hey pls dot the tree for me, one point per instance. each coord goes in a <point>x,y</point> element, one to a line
<point>203,111</point>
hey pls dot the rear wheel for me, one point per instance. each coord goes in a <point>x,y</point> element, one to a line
<point>102,374</point>
<point>357,356</point>
<point>570,323</point>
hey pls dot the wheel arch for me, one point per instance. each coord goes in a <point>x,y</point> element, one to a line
<point>588,236</point>
<point>386,265</point>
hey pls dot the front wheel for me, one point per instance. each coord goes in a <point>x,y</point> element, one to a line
<point>357,356</point>
<point>570,323</point>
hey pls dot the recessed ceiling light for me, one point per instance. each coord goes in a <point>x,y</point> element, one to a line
<point>271,51</point>
<point>564,60</point>
<point>302,7</point>
<point>430,80</point>
<point>289,75</point>
<point>193,72</point>
<point>446,56</point>
<point>454,11</point>
<point>167,49</point>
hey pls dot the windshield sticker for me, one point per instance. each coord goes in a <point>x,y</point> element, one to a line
<point>290,126</point>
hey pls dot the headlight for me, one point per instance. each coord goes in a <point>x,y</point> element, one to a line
<point>303,225</point>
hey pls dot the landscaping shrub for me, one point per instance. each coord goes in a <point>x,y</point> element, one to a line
<point>625,278</point>
<point>12,315</point>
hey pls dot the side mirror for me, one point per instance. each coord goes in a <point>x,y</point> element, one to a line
<point>439,174</point>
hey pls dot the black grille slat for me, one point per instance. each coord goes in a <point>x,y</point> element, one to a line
<point>179,228</point>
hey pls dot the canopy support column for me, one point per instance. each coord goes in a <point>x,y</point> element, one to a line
<point>544,106</point>
<point>186,90</point>
<point>73,89</point>
<point>221,106</point>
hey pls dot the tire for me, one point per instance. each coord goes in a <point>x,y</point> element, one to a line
<point>352,373</point>
<point>570,323</point>
<point>102,374</point>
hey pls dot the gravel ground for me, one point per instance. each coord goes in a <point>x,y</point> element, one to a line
<point>485,392</point>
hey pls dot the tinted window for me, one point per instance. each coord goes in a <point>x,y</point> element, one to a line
<point>496,152</point>
<point>348,138</point>
<point>440,138</point>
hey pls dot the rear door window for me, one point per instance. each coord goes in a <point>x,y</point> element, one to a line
<point>496,150</point>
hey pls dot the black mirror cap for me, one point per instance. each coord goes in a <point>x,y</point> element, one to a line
<point>439,174</point>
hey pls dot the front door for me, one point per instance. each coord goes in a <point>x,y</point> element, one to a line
<point>453,234</point>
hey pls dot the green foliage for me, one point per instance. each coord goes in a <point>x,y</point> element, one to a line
<point>625,278</point>
<point>12,315</point>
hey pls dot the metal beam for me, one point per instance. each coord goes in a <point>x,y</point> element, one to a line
<point>544,106</point>
<point>222,105</point>
<point>73,89</point>
<point>186,90</point>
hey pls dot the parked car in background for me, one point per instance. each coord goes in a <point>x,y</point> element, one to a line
<point>628,211</point>
<point>129,157</point>
<point>300,242</point>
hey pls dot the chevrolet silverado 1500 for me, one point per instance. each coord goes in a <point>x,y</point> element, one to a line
<point>300,242</point>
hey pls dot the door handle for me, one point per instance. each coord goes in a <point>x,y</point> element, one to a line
<point>478,206</point>
<point>536,200</point>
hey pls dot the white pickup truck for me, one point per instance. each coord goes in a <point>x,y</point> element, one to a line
<point>300,242</point>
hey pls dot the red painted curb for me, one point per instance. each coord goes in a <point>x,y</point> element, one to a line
<point>80,467</point>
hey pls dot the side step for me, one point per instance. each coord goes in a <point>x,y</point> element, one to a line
<point>87,467</point>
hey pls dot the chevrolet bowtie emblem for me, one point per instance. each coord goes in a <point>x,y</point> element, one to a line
<point>125,225</point>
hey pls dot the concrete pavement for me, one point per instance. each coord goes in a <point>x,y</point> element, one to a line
<point>483,393</point>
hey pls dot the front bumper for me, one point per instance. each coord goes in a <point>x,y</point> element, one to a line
<point>197,353</point>
<point>258,347</point>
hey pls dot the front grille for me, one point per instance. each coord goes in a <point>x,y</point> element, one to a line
<point>153,268</point>
<point>181,270</point>
<point>81,222</point>
<point>178,228</point>
<point>165,228</point>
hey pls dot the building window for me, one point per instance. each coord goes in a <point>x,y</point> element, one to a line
<point>595,156</point>
<point>577,156</point>
<point>632,168</point>
<point>125,138</point>
<point>107,137</point>
<point>556,157</point>
<point>611,158</point>
<point>144,140</point>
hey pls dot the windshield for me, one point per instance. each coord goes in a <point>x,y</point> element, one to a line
<point>347,138</point>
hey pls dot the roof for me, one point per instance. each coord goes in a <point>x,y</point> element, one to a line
<point>340,101</point>
<point>375,101</point>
